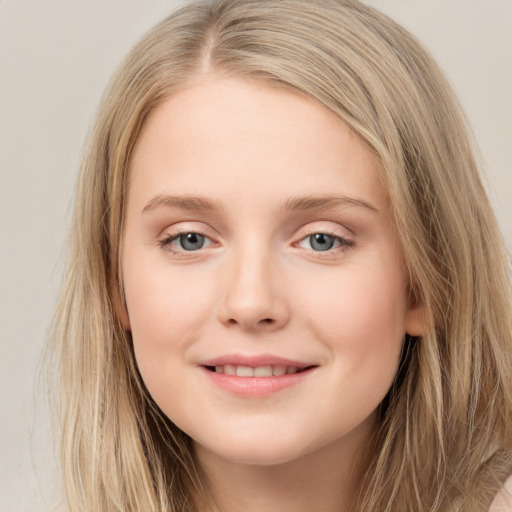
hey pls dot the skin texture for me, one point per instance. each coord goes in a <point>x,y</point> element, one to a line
<point>258,286</point>
<point>503,500</point>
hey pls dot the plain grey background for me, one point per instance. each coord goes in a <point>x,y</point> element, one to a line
<point>55,60</point>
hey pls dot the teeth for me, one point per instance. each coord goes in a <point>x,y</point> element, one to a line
<point>278,370</point>
<point>244,371</point>
<point>229,369</point>
<point>263,371</point>
<point>259,371</point>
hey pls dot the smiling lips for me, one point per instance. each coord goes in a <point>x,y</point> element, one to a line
<point>255,376</point>
<point>258,371</point>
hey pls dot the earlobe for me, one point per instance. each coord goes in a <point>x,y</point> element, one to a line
<point>415,321</point>
<point>124,318</point>
<point>121,311</point>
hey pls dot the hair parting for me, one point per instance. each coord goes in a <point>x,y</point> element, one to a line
<point>118,451</point>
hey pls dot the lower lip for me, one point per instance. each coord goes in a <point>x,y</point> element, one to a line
<point>256,386</point>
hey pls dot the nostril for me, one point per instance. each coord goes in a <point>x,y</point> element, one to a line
<point>232,321</point>
<point>252,321</point>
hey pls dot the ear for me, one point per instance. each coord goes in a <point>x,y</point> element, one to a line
<point>121,310</point>
<point>415,321</point>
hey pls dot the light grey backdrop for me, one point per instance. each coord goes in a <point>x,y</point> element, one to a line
<point>55,60</point>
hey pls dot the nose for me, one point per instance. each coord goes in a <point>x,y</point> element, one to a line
<point>254,300</point>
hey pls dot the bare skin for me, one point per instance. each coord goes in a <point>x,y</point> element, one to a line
<point>258,231</point>
<point>503,500</point>
<point>316,481</point>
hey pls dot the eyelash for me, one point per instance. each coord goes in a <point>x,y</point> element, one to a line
<point>166,243</point>
<point>344,243</point>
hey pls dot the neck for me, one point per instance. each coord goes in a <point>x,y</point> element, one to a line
<point>325,479</point>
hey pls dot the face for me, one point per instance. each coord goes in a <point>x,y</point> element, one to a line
<point>263,279</point>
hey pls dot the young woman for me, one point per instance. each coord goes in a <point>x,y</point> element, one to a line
<point>286,288</point>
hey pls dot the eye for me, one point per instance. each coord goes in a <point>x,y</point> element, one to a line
<point>322,242</point>
<point>189,242</point>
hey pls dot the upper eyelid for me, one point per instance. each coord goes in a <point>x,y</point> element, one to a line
<point>170,237</point>
<point>330,232</point>
<point>338,232</point>
<point>334,229</point>
<point>344,241</point>
<point>170,231</point>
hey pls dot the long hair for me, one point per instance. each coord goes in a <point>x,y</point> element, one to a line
<point>444,440</point>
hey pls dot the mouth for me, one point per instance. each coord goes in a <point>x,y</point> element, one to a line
<point>256,376</point>
<point>257,371</point>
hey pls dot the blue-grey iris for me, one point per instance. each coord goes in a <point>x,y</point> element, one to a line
<point>321,242</point>
<point>191,241</point>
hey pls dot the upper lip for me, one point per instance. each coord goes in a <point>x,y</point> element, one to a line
<point>255,361</point>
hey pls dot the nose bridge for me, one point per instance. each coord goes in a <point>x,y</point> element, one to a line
<point>253,299</point>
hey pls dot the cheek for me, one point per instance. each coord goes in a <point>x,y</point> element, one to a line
<point>360,319</point>
<point>359,301</point>
<point>166,313</point>
<point>163,303</point>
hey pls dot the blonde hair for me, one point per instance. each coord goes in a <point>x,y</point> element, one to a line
<point>444,440</point>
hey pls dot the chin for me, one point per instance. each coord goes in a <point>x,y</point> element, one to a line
<point>255,457</point>
<point>256,450</point>
<point>258,458</point>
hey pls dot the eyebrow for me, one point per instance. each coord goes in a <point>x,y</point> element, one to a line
<point>308,203</point>
<point>295,203</point>
<point>186,203</point>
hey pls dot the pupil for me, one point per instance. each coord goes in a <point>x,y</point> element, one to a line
<point>321,242</point>
<point>192,241</point>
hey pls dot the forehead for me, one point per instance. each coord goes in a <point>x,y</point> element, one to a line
<point>237,137</point>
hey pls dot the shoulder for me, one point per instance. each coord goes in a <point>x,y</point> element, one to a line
<point>503,500</point>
